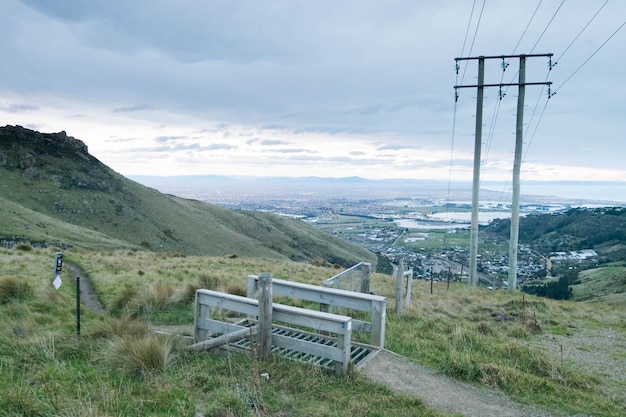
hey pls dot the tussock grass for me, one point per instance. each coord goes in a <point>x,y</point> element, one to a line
<point>140,355</point>
<point>124,327</point>
<point>116,368</point>
<point>12,288</point>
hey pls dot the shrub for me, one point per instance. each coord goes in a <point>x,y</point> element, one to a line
<point>24,247</point>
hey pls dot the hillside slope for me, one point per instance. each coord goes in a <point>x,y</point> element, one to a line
<point>53,190</point>
<point>602,229</point>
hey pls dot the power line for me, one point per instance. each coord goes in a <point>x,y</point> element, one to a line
<point>473,38</point>
<point>547,26</point>
<point>469,22</point>
<point>581,32</point>
<point>549,94</point>
<point>527,26</point>
<point>588,59</point>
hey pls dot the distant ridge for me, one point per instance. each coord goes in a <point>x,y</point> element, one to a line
<point>568,193</point>
<point>53,191</point>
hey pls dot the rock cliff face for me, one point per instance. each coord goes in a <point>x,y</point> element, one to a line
<point>19,147</point>
<point>62,159</point>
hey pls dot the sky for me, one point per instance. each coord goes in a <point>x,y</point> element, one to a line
<point>321,88</point>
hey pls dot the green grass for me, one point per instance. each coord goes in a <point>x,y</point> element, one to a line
<point>606,285</point>
<point>68,198</point>
<point>119,368</point>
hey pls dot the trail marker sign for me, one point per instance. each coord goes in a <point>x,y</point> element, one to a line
<point>58,266</point>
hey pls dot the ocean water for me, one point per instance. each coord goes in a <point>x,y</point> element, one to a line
<point>596,191</point>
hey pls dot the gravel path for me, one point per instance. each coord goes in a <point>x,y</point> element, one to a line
<point>441,392</point>
<point>445,394</point>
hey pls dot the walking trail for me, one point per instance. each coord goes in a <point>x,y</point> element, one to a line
<point>441,392</point>
<point>402,376</point>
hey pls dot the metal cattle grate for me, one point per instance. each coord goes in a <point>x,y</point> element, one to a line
<point>359,353</point>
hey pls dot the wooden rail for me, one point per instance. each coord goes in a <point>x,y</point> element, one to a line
<point>330,297</point>
<point>336,326</point>
<point>356,278</point>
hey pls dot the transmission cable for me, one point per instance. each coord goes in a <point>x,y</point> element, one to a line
<point>473,38</point>
<point>527,26</point>
<point>581,32</point>
<point>547,26</point>
<point>555,62</point>
<point>591,56</point>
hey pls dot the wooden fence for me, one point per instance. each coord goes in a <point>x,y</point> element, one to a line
<point>327,298</point>
<point>210,331</point>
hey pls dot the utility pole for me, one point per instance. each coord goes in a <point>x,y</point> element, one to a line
<point>480,86</point>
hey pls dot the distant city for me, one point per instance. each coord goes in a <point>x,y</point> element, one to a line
<point>397,219</point>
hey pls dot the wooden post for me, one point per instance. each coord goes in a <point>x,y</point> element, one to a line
<point>399,287</point>
<point>431,281</point>
<point>344,342</point>
<point>409,283</point>
<point>379,317</point>
<point>265,315</point>
<point>202,311</point>
<point>222,340</point>
<point>252,286</point>
<point>366,270</point>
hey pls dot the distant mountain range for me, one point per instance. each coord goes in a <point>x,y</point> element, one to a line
<point>52,191</point>
<point>214,187</point>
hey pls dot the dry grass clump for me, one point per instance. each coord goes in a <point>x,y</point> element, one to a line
<point>157,296</point>
<point>236,290</point>
<point>141,356</point>
<point>12,288</point>
<point>127,296</point>
<point>123,327</point>
<point>208,281</point>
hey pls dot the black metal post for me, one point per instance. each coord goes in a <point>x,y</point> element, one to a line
<point>78,307</point>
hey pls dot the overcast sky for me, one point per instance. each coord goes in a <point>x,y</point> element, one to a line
<point>325,88</point>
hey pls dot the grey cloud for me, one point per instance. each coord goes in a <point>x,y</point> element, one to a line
<point>134,108</point>
<point>289,150</point>
<point>267,142</point>
<point>270,142</point>
<point>392,147</point>
<point>19,108</point>
<point>166,139</point>
<point>217,146</point>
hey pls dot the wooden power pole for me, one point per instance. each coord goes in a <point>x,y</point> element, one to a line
<point>519,138</point>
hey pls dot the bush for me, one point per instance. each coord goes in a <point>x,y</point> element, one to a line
<point>24,247</point>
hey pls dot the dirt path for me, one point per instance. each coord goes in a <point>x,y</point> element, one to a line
<point>398,373</point>
<point>88,295</point>
<point>440,392</point>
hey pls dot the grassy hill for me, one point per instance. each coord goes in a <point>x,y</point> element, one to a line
<point>602,229</point>
<point>565,357</point>
<point>601,285</point>
<point>52,190</point>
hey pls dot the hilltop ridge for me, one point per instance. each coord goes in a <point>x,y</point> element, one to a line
<point>53,191</point>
